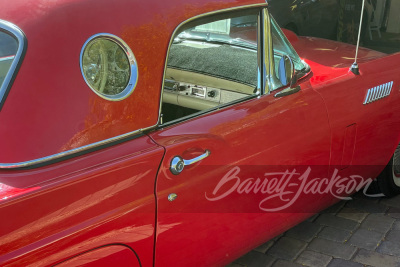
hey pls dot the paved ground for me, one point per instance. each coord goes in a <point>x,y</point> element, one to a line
<point>361,232</point>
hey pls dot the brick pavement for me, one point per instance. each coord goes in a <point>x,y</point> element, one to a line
<point>356,233</point>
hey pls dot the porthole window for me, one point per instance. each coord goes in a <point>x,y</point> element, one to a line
<point>109,67</point>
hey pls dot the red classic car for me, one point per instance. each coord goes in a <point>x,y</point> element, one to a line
<point>178,133</point>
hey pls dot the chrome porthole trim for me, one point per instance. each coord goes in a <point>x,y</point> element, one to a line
<point>17,33</point>
<point>134,72</point>
<point>378,92</point>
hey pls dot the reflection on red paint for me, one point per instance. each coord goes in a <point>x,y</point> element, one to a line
<point>7,191</point>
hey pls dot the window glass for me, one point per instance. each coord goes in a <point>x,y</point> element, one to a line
<point>209,65</point>
<point>8,50</point>
<point>281,46</point>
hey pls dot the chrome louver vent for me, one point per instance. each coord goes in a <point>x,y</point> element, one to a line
<point>378,92</point>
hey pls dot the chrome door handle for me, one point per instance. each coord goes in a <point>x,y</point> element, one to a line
<point>178,163</point>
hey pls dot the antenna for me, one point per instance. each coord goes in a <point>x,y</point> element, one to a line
<point>354,68</point>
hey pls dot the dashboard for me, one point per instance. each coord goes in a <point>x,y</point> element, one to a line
<point>199,92</point>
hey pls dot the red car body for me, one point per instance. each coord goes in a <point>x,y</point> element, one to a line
<point>86,181</point>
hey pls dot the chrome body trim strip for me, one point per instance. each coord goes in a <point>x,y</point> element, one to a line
<point>20,36</point>
<point>69,152</point>
<point>378,92</point>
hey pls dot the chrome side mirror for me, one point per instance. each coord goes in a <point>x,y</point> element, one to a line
<point>287,76</point>
<point>286,71</point>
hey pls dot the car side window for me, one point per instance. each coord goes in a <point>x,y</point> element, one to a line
<point>281,47</point>
<point>211,64</point>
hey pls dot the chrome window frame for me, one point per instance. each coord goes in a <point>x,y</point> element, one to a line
<point>19,35</point>
<point>267,51</point>
<point>134,71</point>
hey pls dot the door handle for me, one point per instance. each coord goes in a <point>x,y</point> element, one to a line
<point>178,163</point>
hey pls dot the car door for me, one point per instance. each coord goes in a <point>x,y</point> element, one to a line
<point>210,204</point>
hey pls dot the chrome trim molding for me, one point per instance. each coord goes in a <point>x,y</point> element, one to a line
<point>260,71</point>
<point>20,36</point>
<point>268,53</point>
<point>70,152</point>
<point>128,90</point>
<point>378,92</point>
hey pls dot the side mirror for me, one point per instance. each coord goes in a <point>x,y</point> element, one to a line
<point>287,76</point>
<point>286,71</point>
